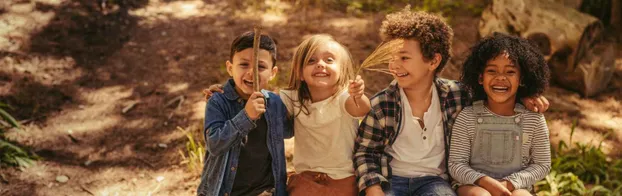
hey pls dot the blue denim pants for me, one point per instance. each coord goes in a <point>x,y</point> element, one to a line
<point>427,185</point>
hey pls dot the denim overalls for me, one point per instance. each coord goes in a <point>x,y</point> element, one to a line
<point>496,149</point>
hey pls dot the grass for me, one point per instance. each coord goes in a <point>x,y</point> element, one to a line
<point>10,153</point>
<point>575,166</point>
<point>194,153</point>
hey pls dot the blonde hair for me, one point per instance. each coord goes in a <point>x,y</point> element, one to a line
<point>303,53</point>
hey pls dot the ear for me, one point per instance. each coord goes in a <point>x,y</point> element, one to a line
<point>275,70</point>
<point>435,62</point>
<point>481,79</point>
<point>229,68</point>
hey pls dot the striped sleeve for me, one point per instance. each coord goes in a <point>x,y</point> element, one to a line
<point>540,154</point>
<point>460,149</point>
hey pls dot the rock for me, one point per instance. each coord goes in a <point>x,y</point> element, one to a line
<point>62,178</point>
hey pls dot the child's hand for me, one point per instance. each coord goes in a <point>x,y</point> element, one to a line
<point>493,186</point>
<point>374,190</point>
<point>213,88</point>
<point>255,106</point>
<point>356,88</point>
<point>508,185</point>
<point>536,104</point>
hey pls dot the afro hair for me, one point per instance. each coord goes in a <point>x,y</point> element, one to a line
<point>534,71</point>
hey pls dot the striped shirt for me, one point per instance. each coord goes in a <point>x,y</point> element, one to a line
<point>536,152</point>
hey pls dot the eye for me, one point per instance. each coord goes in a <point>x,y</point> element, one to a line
<point>404,58</point>
<point>330,60</point>
<point>243,64</point>
<point>312,61</point>
<point>511,72</point>
<point>490,71</point>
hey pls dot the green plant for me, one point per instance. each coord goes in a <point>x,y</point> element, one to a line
<point>567,184</point>
<point>582,163</point>
<point>11,154</point>
<point>194,152</point>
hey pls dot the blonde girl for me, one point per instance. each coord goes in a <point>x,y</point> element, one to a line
<point>326,101</point>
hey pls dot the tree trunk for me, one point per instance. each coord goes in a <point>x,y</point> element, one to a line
<point>570,40</point>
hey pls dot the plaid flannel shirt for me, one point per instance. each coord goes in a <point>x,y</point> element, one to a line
<point>380,128</point>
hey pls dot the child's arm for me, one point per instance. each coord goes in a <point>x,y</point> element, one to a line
<point>357,104</point>
<point>540,164</point>
<point>221,133</point>
<point>460,149</point>
<point>368,146</point>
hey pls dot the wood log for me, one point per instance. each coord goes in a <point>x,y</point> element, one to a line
<point>571,41</point>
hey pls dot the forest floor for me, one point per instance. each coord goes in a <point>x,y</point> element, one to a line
<point>69,69</point>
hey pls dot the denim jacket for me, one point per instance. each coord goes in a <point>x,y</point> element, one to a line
<point>226,124</point>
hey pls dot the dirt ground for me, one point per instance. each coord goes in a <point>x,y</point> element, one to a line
<point>70,68</point>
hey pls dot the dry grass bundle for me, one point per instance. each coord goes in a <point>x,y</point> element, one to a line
<point>383,54</point>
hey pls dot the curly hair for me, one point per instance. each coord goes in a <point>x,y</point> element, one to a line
<point>534,71</point>
<point>431,31</point>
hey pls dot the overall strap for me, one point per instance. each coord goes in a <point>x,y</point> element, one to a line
<point>478,107</point>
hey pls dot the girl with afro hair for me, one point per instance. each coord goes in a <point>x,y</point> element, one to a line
<point>497,146</point>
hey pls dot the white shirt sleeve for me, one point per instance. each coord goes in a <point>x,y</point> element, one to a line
<point>288,96</point>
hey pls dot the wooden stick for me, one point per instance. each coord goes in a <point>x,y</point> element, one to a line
<point>255,59</point>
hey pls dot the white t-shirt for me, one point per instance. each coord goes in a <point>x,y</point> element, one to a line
<point>419,151</point>
<point>325,138</point>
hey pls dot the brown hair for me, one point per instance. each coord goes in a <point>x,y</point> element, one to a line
<point>433,34</point>
<point>301,57</point>
<point>245,41</point>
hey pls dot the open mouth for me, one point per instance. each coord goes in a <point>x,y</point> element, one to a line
<point>248,83</point>
<point>401,74</point>
<point>321,74</point>
<point>500,89</point>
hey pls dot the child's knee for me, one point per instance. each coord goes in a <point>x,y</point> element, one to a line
<point>470,190</point>
<point>521,192</point>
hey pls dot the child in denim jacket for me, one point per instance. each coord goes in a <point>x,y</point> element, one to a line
<point>244,130</point>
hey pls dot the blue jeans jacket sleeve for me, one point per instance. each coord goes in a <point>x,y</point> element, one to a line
<point>221,133</point>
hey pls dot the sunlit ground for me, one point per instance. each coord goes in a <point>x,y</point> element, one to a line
<point>176,49</point>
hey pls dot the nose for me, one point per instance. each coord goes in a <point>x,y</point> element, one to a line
<point>501,77</point>
<point>250,71</point>
<point>320,64</point>
<point>393,64</point>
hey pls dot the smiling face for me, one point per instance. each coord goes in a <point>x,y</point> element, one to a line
<point>242,72</point>
<point>323,70</point>
<point>500,79</point>
<point>409,66</point>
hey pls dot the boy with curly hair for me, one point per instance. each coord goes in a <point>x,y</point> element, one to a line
<point>401,146</point>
